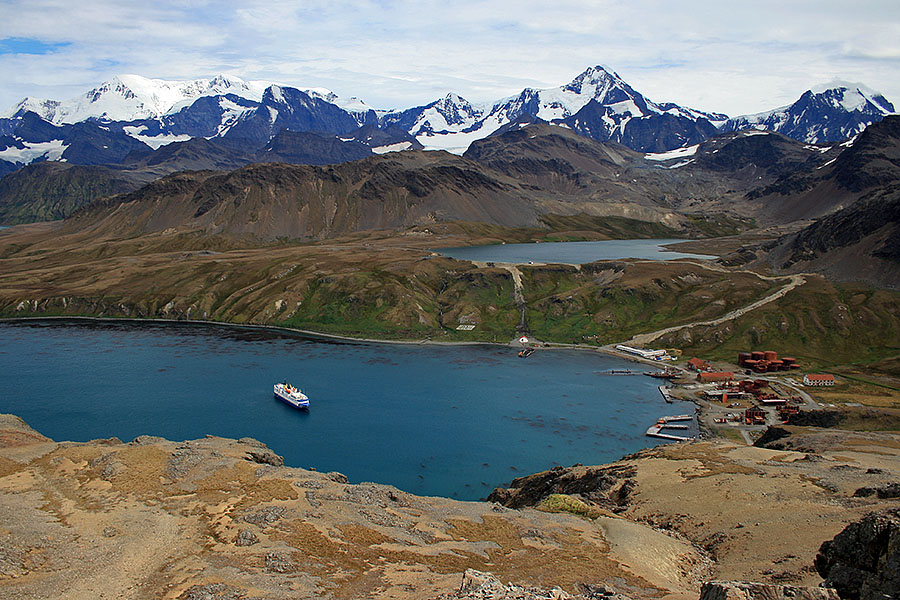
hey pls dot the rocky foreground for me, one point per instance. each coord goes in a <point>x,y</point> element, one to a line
<point>217,519</point>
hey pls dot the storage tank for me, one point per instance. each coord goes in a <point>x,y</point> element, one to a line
<point>757,355</point>
<point>743,357</point>
<point>771,355</point>
<point>788,360</point>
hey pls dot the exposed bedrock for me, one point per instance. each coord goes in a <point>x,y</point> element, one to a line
<point>863,561</point>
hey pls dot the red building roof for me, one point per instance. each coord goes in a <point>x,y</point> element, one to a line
<point>720,376</point>
<point>820,377</point>
<point>698,363</point>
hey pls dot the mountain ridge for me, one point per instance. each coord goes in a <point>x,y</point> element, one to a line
<point>597,103</point>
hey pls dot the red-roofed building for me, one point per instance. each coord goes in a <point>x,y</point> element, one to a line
<point>818,379</point>
<point>715,376</point>
<point>698,364</point>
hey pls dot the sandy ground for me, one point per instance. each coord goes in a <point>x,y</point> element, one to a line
<point>761,514</point>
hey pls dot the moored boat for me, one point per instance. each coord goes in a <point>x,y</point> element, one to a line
<point>291,396</point>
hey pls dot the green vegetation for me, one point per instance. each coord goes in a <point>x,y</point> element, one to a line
<point>607,302</point>
<point>564,503</point>
<point>822,324</point>
<point>584,227</point>
<point>609,227</point>
<point>718,225</point>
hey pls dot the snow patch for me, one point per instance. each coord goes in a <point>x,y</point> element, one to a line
<point>677,153</point>
<point>156,141</point>
<point>677,165</point>
<point>32,151</point>
<point>392,147</point>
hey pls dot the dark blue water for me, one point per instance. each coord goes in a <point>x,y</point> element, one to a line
<point>573,253</point>
<point>451,421</point>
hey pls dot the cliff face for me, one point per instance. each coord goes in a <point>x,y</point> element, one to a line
<point>863,561</point>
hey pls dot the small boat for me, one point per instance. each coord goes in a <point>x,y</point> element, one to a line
<point>290,395</point>
<point>526,352</point>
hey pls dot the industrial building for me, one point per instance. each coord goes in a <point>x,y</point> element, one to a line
<point>818,379</point>
<point>711,376</point>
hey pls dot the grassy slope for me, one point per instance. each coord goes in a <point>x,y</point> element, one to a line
<point>820,323</point>
<point>607,302</point>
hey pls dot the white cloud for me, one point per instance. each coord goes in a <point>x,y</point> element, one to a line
<point>729,57</point>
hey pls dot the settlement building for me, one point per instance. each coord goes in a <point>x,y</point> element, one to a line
<point>715,376</point>
<point>698,364</point>
<point>818,379</point>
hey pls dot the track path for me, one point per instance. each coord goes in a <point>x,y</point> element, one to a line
<point>793,282</point>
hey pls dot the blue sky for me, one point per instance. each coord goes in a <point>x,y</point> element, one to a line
<point>732,57</point>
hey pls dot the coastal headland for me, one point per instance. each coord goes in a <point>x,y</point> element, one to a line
<point>153,518</point>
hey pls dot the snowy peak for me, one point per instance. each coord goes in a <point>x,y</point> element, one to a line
<point>607,88</point>
<point>827,113</point>
<point>455,110</point>
<point>132,97</point>
<point>853,97</point>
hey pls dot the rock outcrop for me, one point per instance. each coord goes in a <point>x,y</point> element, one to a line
<point>740,590</point>
<point>607,487</point>
<point>484,586</point>
<point>863,561</point>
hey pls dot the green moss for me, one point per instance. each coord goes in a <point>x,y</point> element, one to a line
<point>556,503</point>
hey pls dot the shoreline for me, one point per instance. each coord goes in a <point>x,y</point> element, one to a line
<point>513,343</point>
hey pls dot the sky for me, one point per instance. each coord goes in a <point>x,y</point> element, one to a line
<point>722,56</point>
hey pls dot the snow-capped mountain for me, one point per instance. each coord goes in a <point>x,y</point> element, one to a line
<point>450,114</point>
<point>289,108</point>
<point>133,98</point>
<point>597,103</point>
<point>129,113</point>
<point>828,113</point>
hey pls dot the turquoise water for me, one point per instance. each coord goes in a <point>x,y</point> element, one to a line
<point>573,253</point>
<point>435,420</point>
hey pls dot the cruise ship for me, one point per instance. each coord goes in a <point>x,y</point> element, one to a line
<point>291,395</point>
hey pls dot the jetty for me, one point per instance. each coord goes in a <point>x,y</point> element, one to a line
<point>655,430</point>
<point>665,394</point>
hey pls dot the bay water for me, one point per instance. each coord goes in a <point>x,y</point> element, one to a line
<point>453,421</point>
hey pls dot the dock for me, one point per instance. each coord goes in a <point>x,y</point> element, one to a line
<point>655,430</point>
<point>665,394</point>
